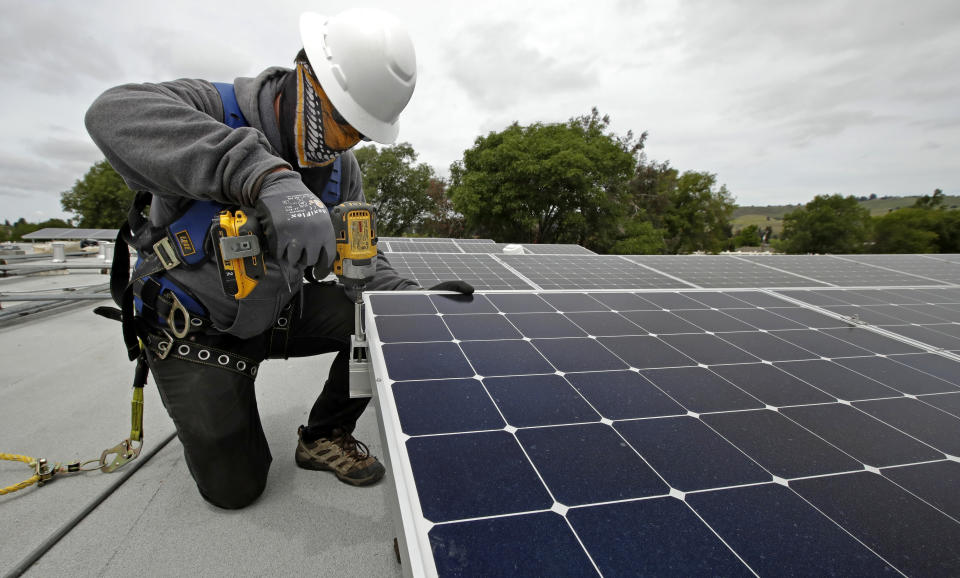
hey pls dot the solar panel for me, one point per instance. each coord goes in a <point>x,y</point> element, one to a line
<point>588,272</point>
<point>481,247</point>
<point>481,271</point>
<point>836,271</point>
<point>920,265</point>
<point>417,246</point>
<point>901,311</point>
<point>721,271</point>
<point>556,249</point>
<point>666,432</point>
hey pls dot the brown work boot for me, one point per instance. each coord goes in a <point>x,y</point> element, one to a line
<point>341,454</point>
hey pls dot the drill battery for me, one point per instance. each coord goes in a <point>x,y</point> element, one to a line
<point>236,243</point>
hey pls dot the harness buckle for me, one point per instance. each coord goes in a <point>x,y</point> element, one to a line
<point>164,347</point>
<point>165,251</point>
<point>176,306</point>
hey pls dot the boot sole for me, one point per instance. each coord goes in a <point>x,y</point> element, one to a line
<point>366,481</point>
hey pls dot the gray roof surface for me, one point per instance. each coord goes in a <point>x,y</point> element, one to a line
<point>65,395</point>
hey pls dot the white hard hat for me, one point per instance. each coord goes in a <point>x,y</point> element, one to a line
<point>365,62</point>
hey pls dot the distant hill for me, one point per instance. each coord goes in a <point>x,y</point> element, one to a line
<point>772,215</point>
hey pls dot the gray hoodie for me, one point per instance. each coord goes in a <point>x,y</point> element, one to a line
<point>169,139</point>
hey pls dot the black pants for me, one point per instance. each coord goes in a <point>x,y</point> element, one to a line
<point>206,383</point>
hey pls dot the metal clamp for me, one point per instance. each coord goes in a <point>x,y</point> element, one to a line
<point>123,452</point>
<point>176,306</point>
<point>165,251</point>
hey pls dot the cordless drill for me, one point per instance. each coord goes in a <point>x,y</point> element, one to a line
<point>355,228</point>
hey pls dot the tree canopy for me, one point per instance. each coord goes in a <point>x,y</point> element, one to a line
<point>100,200</point>
<point>396,186</point>
<point>827,224</point>
<point>545,183</point>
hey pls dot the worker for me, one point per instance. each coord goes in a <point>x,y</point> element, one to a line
<point>285,160</point>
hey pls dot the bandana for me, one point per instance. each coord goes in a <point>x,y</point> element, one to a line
<point>320,133</point>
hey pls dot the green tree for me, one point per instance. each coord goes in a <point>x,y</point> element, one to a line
<point>827,224</point>
<point>546,183</point>
<point>934,201</point>
<point>908,230</point>
<point>639,237</point>
<point>441,219</point>
<point>395,186</point>
<point>748,236</point>
<point>100,200</point>
<point>690,210</point>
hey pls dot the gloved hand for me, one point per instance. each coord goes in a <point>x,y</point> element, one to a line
<point>295,222</point>
<point>458,286</point>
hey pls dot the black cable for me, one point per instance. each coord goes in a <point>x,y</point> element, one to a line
<point>65,529</point>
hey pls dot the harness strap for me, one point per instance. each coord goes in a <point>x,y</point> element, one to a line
<point>166,346</point>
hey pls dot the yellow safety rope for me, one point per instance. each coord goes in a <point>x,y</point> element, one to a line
<point>26,483</point>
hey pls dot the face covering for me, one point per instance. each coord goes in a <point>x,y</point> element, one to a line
<point>320,134</point>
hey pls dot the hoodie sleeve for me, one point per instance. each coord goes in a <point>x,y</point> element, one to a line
<point>168,139</point>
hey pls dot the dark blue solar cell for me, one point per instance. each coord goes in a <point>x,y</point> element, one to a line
<point>544,325</point>
<point>605,323</point>
<point>710,320</point>
<point>462,304</point>
<point>866,439</point>
<point>897,376</point>
<point>567,302</point>
<point>837,380</point>
<point>770,385</point>
<point>758,299</point>
<point>673,301</point>
<point>658,537</point>
<point>936,482</point>
<point>871,341</point>
<point>532,400</point>
<point>767,346</point>
<point>483,326</point>
<point>583,464</point>
<point>411,361</point>
<point>519,303</point>
<point>820,343</point>
<point>540,544</point>
<point>509,357</point>
<point>779,445</point>
<point>645,351</point>
<point>778,534</point>
<point>661,322</point>
<point>923,541</point>
<point>623,395</point>
<point>401,304</point>
<point>708,349</point>
<point>578,354</point>
<point>927,424</point>
<point>624,302</point>
<point>763,319</point>
<point>393,328</point>
<point>718,300</point>
<point>481,474</point>
<point>948,402</point>
<point>808,318</point>
<point>700,390</point>
<point>442,406</point>
<point>689,455</point>
<point>932,335</point>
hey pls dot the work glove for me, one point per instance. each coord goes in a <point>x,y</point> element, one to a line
<point>295,222</point>
<point>458,286</point>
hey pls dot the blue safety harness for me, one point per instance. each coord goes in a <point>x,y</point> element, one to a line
<point>182,243</point>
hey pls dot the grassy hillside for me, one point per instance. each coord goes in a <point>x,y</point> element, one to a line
<point>772,215</point>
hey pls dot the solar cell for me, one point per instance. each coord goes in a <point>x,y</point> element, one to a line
<point>721,271</point>
<point>481,271</point>
<point>724,431</point>
<point>934,269</point>
<point>587,272</point>
<point>836,271</point>
<point>417,246</point>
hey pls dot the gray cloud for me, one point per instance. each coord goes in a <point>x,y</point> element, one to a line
<point>496,65</point>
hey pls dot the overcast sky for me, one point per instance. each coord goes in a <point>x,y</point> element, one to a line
<point>781,100</point>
